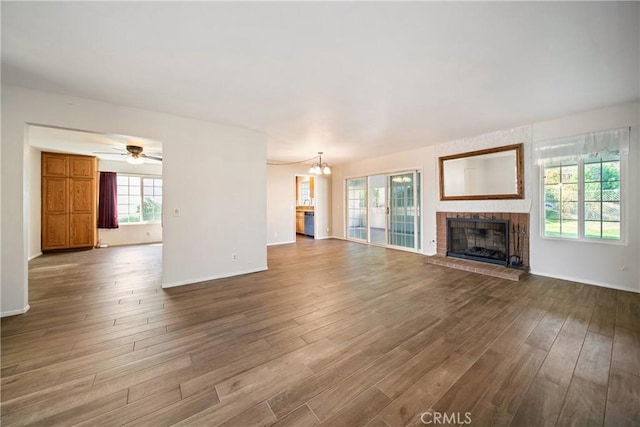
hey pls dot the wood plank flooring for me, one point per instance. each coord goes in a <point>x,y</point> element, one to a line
<point>334,333</point>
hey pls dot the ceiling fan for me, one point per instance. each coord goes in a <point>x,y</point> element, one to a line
<point>135,154</point>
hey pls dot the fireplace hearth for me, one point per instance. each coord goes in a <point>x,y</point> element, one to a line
<point>478,239</point>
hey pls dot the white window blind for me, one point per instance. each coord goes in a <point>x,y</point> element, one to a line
<point>595,144</point>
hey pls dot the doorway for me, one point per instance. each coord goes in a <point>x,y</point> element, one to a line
<point>305,206</point>
<point>138,181</point>
<point>385,210</point>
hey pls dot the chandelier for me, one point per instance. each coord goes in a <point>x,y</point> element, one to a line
<point>320,167</point>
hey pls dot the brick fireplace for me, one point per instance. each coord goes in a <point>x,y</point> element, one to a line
<point>516,239</point>
<point>485,240</point>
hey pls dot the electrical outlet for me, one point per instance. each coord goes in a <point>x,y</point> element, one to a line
<point>234,257</point>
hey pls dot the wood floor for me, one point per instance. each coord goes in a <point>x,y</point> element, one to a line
<point>335,333</point>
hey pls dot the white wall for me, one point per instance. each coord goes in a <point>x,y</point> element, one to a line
<point>124,167</point>
<point>220,215</point>
<point>595,263</point>
<point>35,203</point>
<point>281,204</point>
<point>130,234</point>
<point>322,215</point>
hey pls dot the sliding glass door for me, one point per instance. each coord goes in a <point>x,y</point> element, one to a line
<point>402,210</point>
<point>378,209</point>
<point>385,210</point>
<point>357,208</point>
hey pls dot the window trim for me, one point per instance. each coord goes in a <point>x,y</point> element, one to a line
<point>142,178</point>
<point>623,241</point>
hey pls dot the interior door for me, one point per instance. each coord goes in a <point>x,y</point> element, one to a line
<point>402,218</point>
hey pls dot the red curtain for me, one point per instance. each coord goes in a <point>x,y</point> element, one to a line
<point>108,200</point>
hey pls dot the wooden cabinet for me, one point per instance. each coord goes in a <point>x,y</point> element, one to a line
<point>55,165</point>
<point>299,222</point>
<point>69,201</point>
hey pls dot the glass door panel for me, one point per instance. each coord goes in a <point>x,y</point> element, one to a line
<point>419,209</point>
<point>357,208</point>
<point>378,209</point>
<point>402,211</point>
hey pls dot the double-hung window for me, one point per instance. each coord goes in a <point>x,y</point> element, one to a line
<point>582,180</point>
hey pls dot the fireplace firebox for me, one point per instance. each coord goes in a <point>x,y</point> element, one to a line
<point>484,240</point>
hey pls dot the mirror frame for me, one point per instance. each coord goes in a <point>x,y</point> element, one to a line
<point>519,194</point>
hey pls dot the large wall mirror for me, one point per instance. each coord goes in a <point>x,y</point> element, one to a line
<point>495,173</point>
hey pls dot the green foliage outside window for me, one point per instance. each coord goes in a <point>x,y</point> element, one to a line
<point>583,192</point>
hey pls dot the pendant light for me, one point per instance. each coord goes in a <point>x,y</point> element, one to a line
<point>320,168</point>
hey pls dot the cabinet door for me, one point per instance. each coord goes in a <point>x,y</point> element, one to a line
<point>55,213</point>
<point>81,230</point>
<point>55,231</point>
<point>300,222</point>
<point>55,164</point>
<point>82,167</point>
<point>82,209</point>
<point>82,194</point>
<point>55,196</point>
<point>68,201</point>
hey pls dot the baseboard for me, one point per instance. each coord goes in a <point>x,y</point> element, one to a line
<point>15,312</point>
<point>584,282</point>
<point>206,279</point>
<point>34,256</point>
<point>109,245</point>
<point>281,243</point>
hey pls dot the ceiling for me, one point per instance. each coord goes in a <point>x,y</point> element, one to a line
<point>105,147</point>
<point>352,79</point>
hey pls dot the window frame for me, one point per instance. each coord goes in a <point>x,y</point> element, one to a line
<point>141,195</point>
<point>581,208</point>
<point>305,191</point>
<point>360,209</point>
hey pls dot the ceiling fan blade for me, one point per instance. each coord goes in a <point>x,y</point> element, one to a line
<point>154,158</point>
<point>112,153</point>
